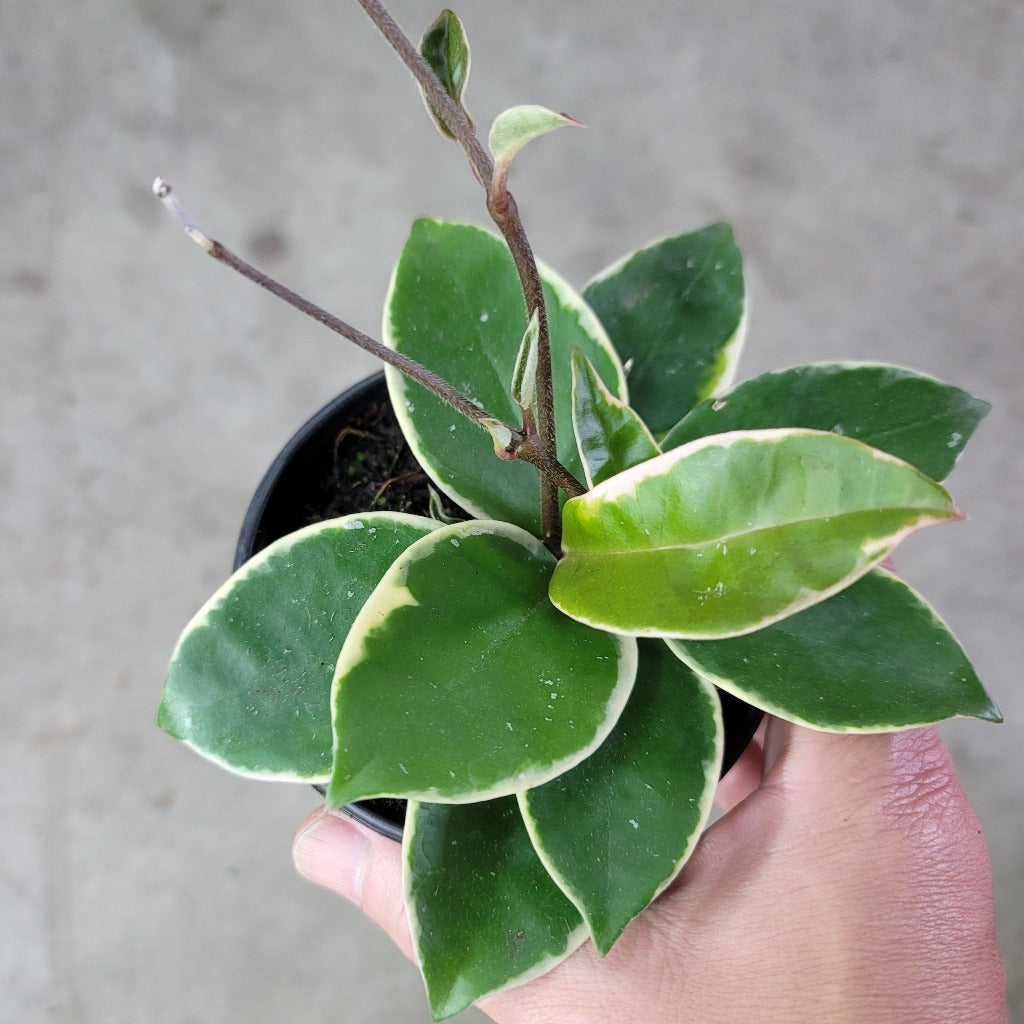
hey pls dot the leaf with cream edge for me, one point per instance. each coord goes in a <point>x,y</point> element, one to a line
<point>456,305</point>
<point>459,680</point>
<point>609,434</point>
<point>524,375</point>
<point>483,913</point>
<point>514,128</point>
<point>676,311</point>
<point>907,414</point>
<point>616,829</point>
<point>445,48</point>
<point>249,683</point>
<point>872,658</point>
<point>730,533</point>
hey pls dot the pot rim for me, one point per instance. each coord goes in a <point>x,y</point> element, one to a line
<point>744,717</point>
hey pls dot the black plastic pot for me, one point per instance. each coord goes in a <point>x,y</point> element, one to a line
<point>292,494</point>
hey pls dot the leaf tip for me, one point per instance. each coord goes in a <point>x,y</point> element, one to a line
<point>514,128</point>
<point>990,713</point>
<point>166,720</point>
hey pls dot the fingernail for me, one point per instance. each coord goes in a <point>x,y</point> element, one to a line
<point>331,851</point>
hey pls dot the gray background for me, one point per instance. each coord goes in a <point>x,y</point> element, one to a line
<point>868,154</point>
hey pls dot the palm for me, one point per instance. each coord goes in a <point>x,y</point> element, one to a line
<point>851,883</point>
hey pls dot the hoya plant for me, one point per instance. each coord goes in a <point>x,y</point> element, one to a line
<point>541,681</point>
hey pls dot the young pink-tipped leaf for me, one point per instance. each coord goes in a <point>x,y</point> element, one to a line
<point>514,128</point>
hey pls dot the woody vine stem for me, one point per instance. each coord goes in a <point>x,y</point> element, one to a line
<point>534,442</point>
<point>503,211</point>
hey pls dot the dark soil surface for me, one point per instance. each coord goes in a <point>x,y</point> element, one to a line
<point>373,468</point>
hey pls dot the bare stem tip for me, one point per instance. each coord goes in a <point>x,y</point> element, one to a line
<point>163,191</point>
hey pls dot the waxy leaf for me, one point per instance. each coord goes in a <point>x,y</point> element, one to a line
<point>483,913</point>
<point>514,128</point>
<point>676,309</point>
<point>460,682</point>
<point>610,436</point>
<point>524,375</point>
<point>456,306</point>
<point>872,658</point>
<point>445,48</point>
<point>730,533</point>
<point>915,417</point>
<point>250,681</point>
<point>616,829</point>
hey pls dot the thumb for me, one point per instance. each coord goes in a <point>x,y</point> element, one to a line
<point>332,850</point>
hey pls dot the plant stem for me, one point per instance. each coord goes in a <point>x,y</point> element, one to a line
<point>441,102</point>
<point>438,386</point>
<point>550,469</point>
<point>522,448</point>
<point>505,214</point>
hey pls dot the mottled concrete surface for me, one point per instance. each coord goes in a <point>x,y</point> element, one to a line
<point>870,157</point>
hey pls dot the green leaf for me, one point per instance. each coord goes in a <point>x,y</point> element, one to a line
<point>915,417</point>
<point>615,830</point>
<point>524,375</point>
<point>872,658</point>
<point>676,309</point>
<point>460,682</point>
<point>483,913</point>
<point>445,48</point>
<point>514,128</point>
<point>610,436</point>
<point>250,681</point>
<point>730,533</point>
<point>456,305</point>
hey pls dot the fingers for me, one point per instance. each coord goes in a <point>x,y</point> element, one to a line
<point>742,778</point>
<point>333,851</point>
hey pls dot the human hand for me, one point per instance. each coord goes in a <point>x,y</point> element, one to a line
<point>848,881</point>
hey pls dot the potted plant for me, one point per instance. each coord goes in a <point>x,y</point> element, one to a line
<point>541,680</point>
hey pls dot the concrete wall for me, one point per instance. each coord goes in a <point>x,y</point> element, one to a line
<point>870,158</point>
